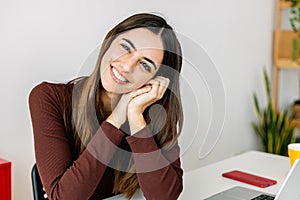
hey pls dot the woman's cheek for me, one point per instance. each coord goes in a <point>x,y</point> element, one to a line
<point>115,54</point>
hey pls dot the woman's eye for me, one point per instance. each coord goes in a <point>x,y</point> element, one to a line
<point>126,48</point>
<point>146,66</point>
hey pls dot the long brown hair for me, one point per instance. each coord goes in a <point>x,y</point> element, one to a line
<point>86,113</point>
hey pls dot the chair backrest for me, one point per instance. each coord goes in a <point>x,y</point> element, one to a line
<point>38,190</point>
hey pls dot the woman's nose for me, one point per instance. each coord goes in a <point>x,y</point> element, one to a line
<point>128,64</point>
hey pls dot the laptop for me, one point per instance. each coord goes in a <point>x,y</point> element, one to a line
<point>288,191</point>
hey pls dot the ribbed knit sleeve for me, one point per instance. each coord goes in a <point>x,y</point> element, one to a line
<point>158,170</point>
<point>62,177</point>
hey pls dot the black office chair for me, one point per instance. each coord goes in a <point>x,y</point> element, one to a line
<point>38,190</point>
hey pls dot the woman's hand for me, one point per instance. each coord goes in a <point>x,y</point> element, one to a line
<point>133,104</point>
<point>140,101</point>
<point>119,114</point>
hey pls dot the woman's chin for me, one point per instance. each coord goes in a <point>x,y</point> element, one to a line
<point>115,90</point>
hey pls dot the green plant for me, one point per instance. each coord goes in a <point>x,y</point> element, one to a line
<point>295,24</point>
<point>274,128</point>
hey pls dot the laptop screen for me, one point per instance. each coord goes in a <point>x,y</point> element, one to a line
<point>290,187</point>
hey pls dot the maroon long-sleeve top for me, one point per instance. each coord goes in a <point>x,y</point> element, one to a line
<point>88,176</point>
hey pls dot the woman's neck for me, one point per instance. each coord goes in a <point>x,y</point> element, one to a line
<point>109,100</point>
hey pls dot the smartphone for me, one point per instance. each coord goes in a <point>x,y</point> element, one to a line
<point>248,178</point>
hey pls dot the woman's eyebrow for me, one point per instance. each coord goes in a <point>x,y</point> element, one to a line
<point>132,45</point>
<point>150,61</point>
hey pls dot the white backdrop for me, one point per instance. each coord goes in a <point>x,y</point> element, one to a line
<point>49,40</point>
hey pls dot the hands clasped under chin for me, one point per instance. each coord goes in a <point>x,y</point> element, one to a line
<point>132,105</point>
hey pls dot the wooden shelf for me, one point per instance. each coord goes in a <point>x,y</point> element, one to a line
<point>283,56</point>
<point>285,43</point>
<point>285,4</point>
<point>283,49</point>
<point>296,122</point>
<point>287,63</point>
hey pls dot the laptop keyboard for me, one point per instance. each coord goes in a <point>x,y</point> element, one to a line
<point>263,197</point>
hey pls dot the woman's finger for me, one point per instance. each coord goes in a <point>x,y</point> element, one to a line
<point>142,90</point>
<point>162,86</point>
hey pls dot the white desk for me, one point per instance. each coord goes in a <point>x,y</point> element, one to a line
<point>206,181</point>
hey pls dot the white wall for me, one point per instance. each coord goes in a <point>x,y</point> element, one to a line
<point>49,40</point>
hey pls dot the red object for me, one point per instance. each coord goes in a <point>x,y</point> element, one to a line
<point>249,178</point>
<point>5,180</point>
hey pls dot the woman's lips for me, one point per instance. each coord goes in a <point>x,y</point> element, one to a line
<point>117,77</point>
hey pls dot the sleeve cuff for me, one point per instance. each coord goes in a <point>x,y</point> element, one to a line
<point>142,141</point>
<point>112,133</point>
<point>105,142</point>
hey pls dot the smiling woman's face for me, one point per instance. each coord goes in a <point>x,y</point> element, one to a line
<point>132,59</point>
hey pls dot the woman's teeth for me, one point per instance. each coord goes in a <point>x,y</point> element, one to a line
<point>118,76</point>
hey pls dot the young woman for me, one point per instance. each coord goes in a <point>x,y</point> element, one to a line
<point>130,105</point>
